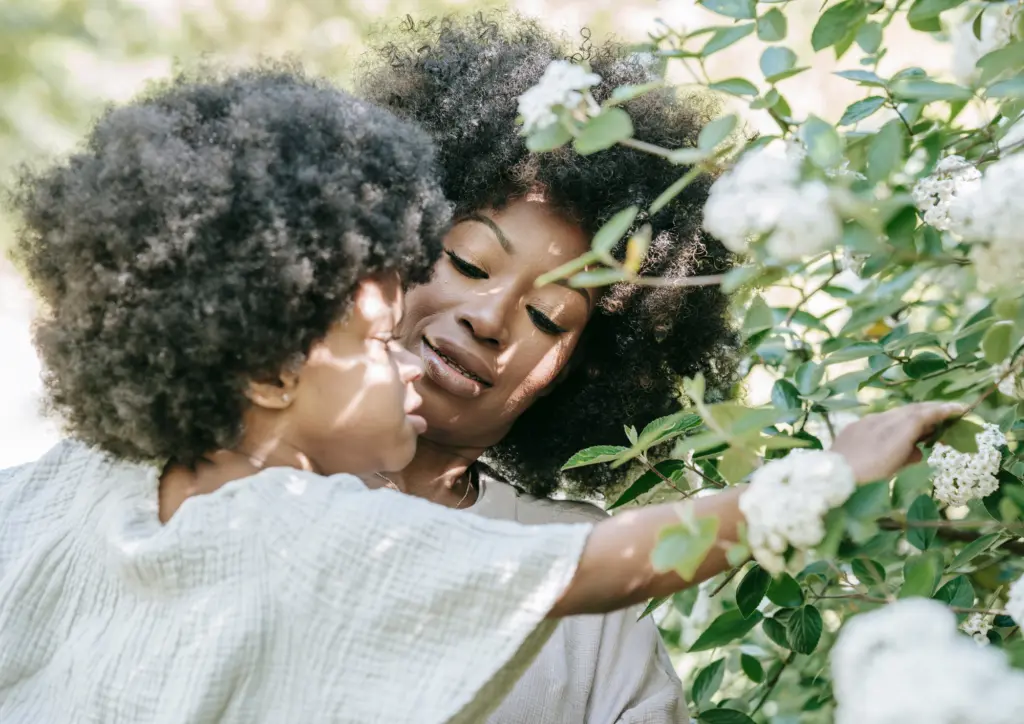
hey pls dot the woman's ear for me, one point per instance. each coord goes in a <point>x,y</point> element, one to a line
<point>277,394</point>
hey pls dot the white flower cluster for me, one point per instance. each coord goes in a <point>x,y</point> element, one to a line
<point>935,194</point>
<point>561,86</point>
<point>989,214</point>
<point>977,625</point>
<point>787,502</point>
<point>960,477</point>
<point>907,663</point>
<point>763,196</point>
<point>996,31</point>
<point>1015,603</point>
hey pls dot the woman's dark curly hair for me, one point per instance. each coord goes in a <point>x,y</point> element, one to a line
<point>207,235</point>
<point>460,79</point>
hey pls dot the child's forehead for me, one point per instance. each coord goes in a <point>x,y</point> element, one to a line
<point>379,301</point>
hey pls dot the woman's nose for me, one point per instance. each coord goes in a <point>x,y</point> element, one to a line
<point>486,320</point>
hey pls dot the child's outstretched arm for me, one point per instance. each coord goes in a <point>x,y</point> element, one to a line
<point>615,569</point>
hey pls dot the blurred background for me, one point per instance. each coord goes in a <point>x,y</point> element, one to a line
<point>61,61</point>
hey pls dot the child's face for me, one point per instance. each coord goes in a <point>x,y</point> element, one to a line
<point>353,400</point>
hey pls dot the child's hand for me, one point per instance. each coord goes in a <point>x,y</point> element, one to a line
<point>879,445</point>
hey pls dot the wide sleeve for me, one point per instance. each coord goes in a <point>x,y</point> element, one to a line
<point>420,613</point>
<point>635,682</point>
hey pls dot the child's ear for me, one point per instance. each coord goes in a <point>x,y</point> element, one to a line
<point>275,394</point>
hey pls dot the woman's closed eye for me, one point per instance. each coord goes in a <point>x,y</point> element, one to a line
<point>543,322</point>
<point>465,268</point>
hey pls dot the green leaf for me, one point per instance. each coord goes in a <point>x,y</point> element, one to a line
<point>668,427</point>
<point>752,668</point>
<point>777,59</point>
<point>1000,60</point>
<point>681,550</point>
<point>1009,88</point>
<point>824,146</point>
<point>593,456</point>
<point>961,436</point>
<point>808,377</point>
<point>715,132</point>
<point>597,278</point>
<point>613,230</point>
<point>804,629</point>
<point>837,22</point>
<point>771,27</point>
<point>998,342</point>
<point>724,716</point>
<point>707,683</point>
<point>653,605</point>
<point>752,589</point>
<point>759,316</point>
<point>973,549</point>
<point>862,77</point>
<point>604,131</point>
<point>739,9</point>
<point>776,631</point>
<point>628,92</point>
<point>778,77</point>
<point>885,151</point>
<point>956,592</point>
<point>548,138</point>
<point>924,364</point>
<point>724,37</point>
<point>921,574</point>
<point>926,91</point>
<point>566,270</point>
<point>671,469</point>
<point>735,86</point>
<point>869,37</point>
<point>857,350</point>
<point>924,10</point>
<point>923,509</point>
<point>728,627</point>
<point>859,110</point>
<point>785,396</point>
<point>785,591</point>
<point>868,502</point>
<point>868,572</point>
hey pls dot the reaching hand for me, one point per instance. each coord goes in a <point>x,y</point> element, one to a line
<point>877,446</point>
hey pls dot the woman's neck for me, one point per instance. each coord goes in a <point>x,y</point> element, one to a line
<point>438,473</point>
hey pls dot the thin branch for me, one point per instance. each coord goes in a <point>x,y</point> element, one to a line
<point>729,577</point>
<point>664,478</point>
<point>646,147</point>
<point>773,682</point>
<point>951,534</point>
<point>806,296</point>
<point>699,281</point>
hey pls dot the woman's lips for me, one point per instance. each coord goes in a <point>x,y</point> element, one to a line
<point>446,375</point>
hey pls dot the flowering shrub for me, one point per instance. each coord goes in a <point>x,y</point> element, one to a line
<point>884,256</point>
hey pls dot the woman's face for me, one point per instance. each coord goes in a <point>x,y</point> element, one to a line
<point>491,342</point>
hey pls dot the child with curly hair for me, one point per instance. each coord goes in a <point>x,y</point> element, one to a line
<point>222,268</point>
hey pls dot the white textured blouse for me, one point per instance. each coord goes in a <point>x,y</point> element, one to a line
<point>594,669</point>
<point>283,597</point>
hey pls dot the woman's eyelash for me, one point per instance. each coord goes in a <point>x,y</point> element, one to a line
<point>543,322</point>
<point>464,267</point>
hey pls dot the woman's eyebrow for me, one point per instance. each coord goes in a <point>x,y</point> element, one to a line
<point>498,233</point>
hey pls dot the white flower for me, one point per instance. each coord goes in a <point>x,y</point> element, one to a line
<point>990,216</point>
<point>961,477</point>
<point>996,31</point>
<point>906,663</point>
<point>787,502</point>
<point>977,625</point>
<point>763,196</point>
<point>561,86</point>
<point>934,194</point>
<point>1015,603</point>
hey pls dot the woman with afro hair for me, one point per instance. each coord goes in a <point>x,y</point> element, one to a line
<point>524,377</point>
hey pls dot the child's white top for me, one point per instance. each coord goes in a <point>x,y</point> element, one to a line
<point>284,597</point>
